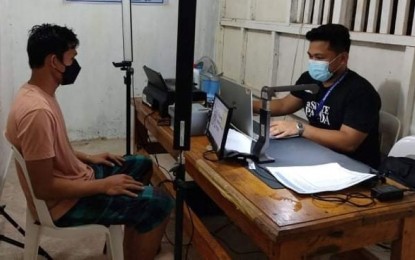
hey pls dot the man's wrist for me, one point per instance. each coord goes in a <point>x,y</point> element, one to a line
<point>300,128</point>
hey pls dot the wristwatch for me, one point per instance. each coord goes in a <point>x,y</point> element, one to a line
<point>300,128</point>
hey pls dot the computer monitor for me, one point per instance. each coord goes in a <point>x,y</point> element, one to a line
<point>240,99</point>
<point>218,126</point>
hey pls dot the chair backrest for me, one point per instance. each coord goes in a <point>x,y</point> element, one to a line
<point>42,210</point>
<point>405,147</point>
<point>389,128</point>
<point>4,173</point>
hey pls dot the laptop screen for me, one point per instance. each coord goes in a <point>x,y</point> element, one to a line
<point>240,99</point>
<point>218,126</point>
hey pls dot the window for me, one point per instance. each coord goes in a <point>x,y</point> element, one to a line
<point>115,1</point>
<point>394,17</point>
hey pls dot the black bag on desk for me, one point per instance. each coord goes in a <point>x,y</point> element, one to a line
<point>400,169</point>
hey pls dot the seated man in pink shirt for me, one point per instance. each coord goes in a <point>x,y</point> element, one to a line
<point>79,188</point>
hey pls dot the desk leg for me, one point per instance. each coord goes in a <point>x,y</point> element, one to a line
<point>403,248</point>
<point>140,136</point>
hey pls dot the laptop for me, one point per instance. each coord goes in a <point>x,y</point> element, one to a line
<point>156,79</point>
<point>240,99</point>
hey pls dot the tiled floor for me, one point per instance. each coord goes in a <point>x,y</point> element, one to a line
<point>90,247</point>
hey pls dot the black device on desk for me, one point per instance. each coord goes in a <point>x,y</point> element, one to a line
<point>218,132</point>
<point>160,93</point>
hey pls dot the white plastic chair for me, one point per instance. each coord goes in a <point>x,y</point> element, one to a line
<point>4,173</point>
<point>45,225</point>
<point>405,147</point>
<point>389,128</point>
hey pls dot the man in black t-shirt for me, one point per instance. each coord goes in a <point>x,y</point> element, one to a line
<point>344,114</point>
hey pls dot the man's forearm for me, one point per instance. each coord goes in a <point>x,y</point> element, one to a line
<point>256,106</point>
<point>69,189</point>
<point>280,107</point>
<point>47,186</point>
<point>82,156</point>
<point>340,140</point>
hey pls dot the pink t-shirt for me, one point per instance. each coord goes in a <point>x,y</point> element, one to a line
<point>36,127</point>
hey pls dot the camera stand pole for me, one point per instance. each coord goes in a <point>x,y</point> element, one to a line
<point>179,185</point>
<point>129,71</point>
<point>183,107</point>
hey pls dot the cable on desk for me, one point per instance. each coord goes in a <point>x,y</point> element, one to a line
<point>164,169</point>
<point>219,229</point>
<point>149,141</point>
<point>160,166</point>
<point>157,160</point>
<point>146,117</point>
<point>142,144</point>
<point>349,198</point>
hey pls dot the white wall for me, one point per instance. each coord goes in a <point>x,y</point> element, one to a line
<point>95,105</point>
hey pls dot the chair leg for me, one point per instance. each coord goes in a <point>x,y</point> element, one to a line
<point>32,236</point>
<point>21,231</point>
<point>115,242</point>
<point>14,224</point>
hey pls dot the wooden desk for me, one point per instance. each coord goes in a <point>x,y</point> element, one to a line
<point>286,225</point>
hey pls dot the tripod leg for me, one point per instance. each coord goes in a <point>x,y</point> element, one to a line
<point>3,212</point>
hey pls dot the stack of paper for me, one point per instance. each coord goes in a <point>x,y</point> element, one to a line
<point>318,178</point>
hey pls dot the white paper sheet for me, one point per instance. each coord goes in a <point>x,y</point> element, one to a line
<point>317,178</point>
<point>238,142</point>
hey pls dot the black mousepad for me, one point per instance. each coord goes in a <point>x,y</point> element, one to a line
<point>266,177</point>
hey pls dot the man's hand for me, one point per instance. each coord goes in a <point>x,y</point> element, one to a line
<point>106,159</point>
<point>283,128</point>
<point>346,139</point>
<point>122,184</point>
<point>46,186</point>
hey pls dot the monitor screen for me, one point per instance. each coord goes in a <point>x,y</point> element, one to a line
<point>218,126</point>
<point>240,99</point>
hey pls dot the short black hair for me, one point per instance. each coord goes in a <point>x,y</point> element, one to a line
<point>48,39</point>
<point>336,34</point>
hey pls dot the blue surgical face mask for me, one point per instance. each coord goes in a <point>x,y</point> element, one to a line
<point>319,69</point>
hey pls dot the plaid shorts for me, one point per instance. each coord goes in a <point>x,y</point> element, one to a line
<point>145,212</point>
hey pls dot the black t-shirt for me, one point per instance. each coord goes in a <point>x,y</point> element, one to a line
<point>352,102</point>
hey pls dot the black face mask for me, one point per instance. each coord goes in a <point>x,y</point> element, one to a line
<point>71,72</point>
